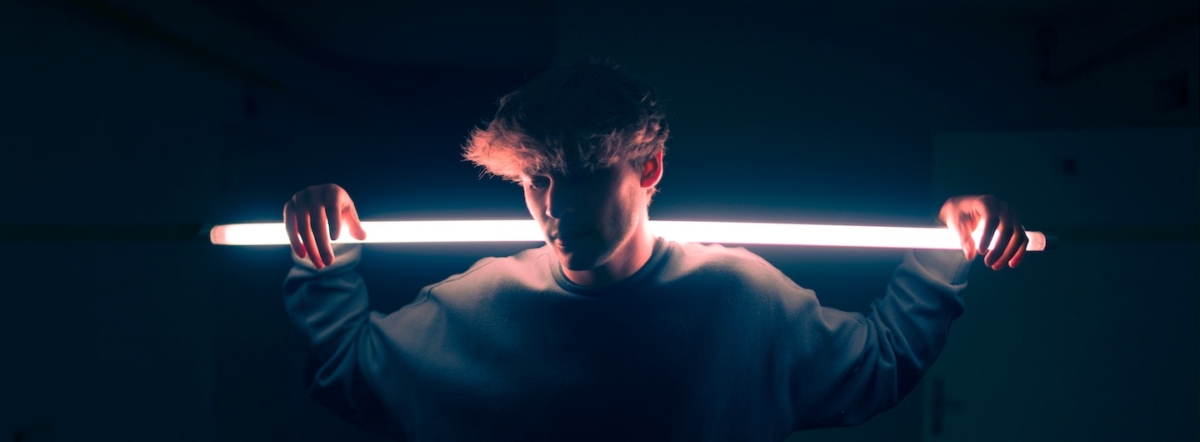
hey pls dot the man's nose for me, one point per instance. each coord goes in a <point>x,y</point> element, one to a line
<point>561,199</point>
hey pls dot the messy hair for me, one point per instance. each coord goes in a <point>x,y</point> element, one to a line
<point>583,116</point>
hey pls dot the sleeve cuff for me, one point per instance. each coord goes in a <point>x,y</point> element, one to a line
<point>945,265</point>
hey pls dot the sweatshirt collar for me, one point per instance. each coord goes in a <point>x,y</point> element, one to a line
<point>651,266</point>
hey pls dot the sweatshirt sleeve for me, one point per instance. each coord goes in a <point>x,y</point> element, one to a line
<point>848,366</point>
<point>328,309</point>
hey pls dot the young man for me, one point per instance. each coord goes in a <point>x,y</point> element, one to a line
<point>608,332</point>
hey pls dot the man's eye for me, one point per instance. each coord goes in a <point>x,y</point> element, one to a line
<point>538,182</point>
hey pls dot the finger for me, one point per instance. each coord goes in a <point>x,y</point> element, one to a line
<point>1019,242</point>
<point>356,228</point>
<point>320,229</point>
<point>1004,234</point>
<point>1019,256</point>
<point>968,243</point>
<point>990,224</point>
<point>303,201</point>
<point>1015,243</point>
<point>309,242</point>
<point>331,215</point>
<point>289,224</point>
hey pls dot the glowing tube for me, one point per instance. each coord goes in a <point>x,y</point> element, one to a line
<point>683,231</point>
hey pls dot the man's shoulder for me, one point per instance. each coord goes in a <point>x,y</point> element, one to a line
<point>733,272</point>
<point>715,259</point>
<point>716,253</point>
<point>524,267</point>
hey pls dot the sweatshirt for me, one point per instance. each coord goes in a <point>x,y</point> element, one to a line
<point>703,343</point>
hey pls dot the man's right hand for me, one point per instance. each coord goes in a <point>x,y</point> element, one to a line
<point>313,214</point>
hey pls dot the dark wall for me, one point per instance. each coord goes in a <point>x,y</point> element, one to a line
<point>776,115</point>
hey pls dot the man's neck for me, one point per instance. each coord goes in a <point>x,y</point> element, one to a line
<point>626,261</point>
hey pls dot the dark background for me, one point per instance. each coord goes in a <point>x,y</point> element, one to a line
<point>165,113</point>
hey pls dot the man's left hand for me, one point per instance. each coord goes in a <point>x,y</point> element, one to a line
<point>964,214</point>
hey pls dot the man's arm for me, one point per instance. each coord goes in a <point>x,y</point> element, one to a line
<point>329,312</point>
<point>327,302</point>
<point>851,366</point>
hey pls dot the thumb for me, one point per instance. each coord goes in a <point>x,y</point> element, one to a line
<point>356,228</point>
<point>964,236</point>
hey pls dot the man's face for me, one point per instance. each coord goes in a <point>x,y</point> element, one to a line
<point>587,216</point>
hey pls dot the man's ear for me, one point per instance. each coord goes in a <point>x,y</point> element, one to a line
<point>652,171</point>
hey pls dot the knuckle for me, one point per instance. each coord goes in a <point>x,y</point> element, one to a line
<point>301,201</point>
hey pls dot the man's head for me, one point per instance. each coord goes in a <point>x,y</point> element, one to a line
<point>586,143</point>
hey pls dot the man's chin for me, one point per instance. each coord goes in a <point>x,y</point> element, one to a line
<point>577,264</point>
<point>578,260</point>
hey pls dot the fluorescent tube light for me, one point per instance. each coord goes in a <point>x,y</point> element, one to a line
<point>683,231</point>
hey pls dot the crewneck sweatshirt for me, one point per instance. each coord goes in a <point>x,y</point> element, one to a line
<point>703,343</point>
